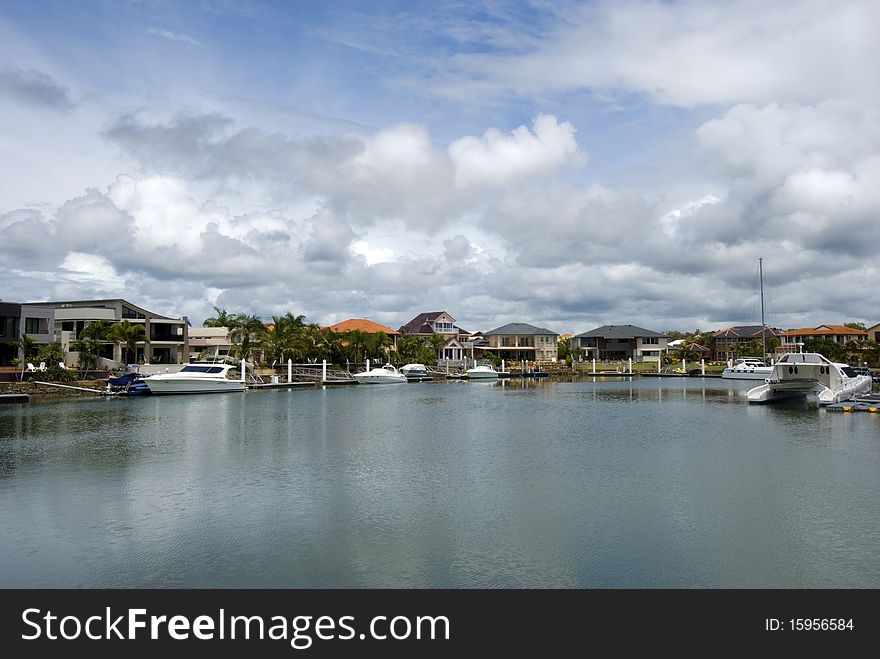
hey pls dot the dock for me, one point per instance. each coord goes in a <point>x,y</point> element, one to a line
<point>869,403</point>
<point>14,398</point>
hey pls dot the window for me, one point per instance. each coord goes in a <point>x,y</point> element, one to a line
<point>650,340</point>
<point>443,327</point>
<point>505,341</point>
<point>9,326</point>
<point>33,326</point>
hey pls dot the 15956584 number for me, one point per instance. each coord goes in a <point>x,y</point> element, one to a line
<point>820,624</point>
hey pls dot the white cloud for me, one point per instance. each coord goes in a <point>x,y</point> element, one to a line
<point>499,159</point>
<point>687,53</point>
<point>174,36</point>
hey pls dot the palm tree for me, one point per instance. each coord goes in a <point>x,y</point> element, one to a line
<point>219,319</point>
<point>28,349</point>
<point>357,340</point>
<point>127,335</point>
<point>90,341</point>
<point>245,332</point>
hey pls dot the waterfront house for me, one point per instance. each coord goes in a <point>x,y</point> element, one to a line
<point>725,342</point>
<point>168,337</point>
<point>366,326</point>
<point>613,342</point>
<point>839,334</point>
<point>19,320</point>
<point>521,341</point>
<point>456,341</point>
<point>873,332</point>
<point>214,341</point>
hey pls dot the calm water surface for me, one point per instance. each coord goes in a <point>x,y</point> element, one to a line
<point>640,484</point>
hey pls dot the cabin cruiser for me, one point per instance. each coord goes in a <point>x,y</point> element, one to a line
<point>482,372</point>
<point>415,372</point>
<point>196,378</point>
<point>747,368</point>
<point>799,374</point>
<point>385,375</point>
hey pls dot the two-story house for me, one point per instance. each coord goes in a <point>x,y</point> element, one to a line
<point>621,342</point>
<point>521,341</point>
<point>168,337</point>
<point>456,341</point>
<point>791,340</point>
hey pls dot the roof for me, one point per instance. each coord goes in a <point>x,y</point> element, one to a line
<point>519,329</point>
<point>826,330</point>
<point>620,332</point>
<point>746,332</point>
<point>360,324</point>
<point>422,324</point>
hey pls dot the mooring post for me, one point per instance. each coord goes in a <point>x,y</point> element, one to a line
<point>324,370</point>
<point>289,370</point>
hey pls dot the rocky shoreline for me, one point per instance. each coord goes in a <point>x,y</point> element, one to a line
<point>42,391</point>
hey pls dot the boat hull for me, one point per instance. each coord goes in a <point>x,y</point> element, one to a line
<point>754,374</point>
<point>481,376</point>
<point>366,378</point>
<point>180,386</point>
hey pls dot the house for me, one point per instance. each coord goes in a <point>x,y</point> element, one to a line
<point>168,337</point>
<point>364,325</point>
<point>19,320</point>
<point>213,340</point>
<point>621,342</point>
<point>724,341</point>
<point>521,341</point>
<point>456,341</point>
<point>874,332</point>
<point>834,333</point>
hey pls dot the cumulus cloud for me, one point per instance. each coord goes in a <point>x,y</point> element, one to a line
<point>34,88</point>
<point>500,159</point>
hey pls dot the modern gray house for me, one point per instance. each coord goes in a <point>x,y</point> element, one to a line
<point>621,342</point>
<point>168,337</point>
<point>18,320</point>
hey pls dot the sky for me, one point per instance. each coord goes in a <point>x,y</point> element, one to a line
<point>565,164</point>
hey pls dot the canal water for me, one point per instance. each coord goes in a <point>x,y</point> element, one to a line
<point>648,483</point>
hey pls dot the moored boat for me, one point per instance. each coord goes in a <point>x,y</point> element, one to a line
<point>384,375</point>
<point>747,368</point>
<point>799,374</point>
<point>196,378</point>
<point>481,372</point>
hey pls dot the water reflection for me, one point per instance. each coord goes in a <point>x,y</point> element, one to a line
<point>513,483</point>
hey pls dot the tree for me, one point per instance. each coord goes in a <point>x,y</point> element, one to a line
<point>53,355</point>
<point>856,326</point>
<point>128,336</point>
<point>90,341</point>
<point>408,346</point>
<point>564,352</point>
<point>833,351</point>
<point>245,330</point>
<point>27,348</point>
<point>219,319</point>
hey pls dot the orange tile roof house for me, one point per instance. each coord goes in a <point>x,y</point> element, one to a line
<point>361,324</point>
<point>364,325</point>
<point>835,333</point>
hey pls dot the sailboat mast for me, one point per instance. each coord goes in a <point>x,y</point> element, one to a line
<point>763,325</point>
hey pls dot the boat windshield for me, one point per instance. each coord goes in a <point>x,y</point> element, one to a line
<point>202,369</point>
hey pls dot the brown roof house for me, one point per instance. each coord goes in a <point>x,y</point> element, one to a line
<point>457,343</point>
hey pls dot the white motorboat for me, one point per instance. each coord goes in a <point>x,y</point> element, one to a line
<point>798,374</point>
<point>385,375</point>
<point>747,368</point>
<point>482,372</point>
<point>197,378</point>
